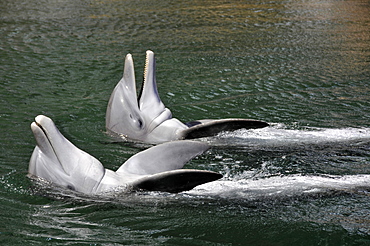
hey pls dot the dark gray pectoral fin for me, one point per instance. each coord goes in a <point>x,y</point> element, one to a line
<point>208,128</point>
<point>176,181</point>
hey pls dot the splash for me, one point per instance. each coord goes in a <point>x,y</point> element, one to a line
<point>279,134</point>
<point>284,186</point>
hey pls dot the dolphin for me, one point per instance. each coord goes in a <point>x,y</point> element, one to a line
<point>58,161</point>
<point>147,119</point>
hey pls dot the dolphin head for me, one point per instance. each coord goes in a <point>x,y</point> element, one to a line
<point>145,119</point>
<point>57,160</point>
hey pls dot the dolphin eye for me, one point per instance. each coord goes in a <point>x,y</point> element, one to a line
<point>71,187</point>
<point>137,121</point>
<point>140,123</point>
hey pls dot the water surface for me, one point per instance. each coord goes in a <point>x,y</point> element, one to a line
<point>302,66</point>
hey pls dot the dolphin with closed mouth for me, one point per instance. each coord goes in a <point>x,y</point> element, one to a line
<point>158,168</point>
<point>148,120</point>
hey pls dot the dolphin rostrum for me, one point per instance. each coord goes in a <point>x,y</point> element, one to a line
<point>148,120</point>
<point>58,161</point>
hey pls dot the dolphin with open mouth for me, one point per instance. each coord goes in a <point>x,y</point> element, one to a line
<point>148,120</point>
<point>158,168</point>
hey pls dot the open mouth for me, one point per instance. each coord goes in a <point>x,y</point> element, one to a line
<point>145,76</point>
<point>41,128</point>
<point>38,121</point>
<point>42,136</point>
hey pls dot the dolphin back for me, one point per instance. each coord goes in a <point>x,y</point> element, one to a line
<point>164,157</point>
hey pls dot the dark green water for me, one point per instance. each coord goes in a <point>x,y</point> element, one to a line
<point>303,66</point>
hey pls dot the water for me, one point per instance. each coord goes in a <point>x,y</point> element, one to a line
<point>302,66</point>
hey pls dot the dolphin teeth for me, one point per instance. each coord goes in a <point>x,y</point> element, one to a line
<point>146,67</point>
<point>157,122</point>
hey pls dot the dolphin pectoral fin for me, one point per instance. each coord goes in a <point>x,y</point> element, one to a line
<point>175,181</point>
<point>164,157</point>
<point>208,128</point>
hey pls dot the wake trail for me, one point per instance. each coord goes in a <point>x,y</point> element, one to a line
<point>279,134</point>
<point>283,186</point>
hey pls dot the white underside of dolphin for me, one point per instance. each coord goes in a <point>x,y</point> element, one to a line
<point>147,119</point>
<point>57,160</point>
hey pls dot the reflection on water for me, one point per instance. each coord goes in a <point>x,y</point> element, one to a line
<point>302,65</point>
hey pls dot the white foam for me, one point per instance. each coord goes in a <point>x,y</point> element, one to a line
<point>280,186</point>
<point>279,134</point>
